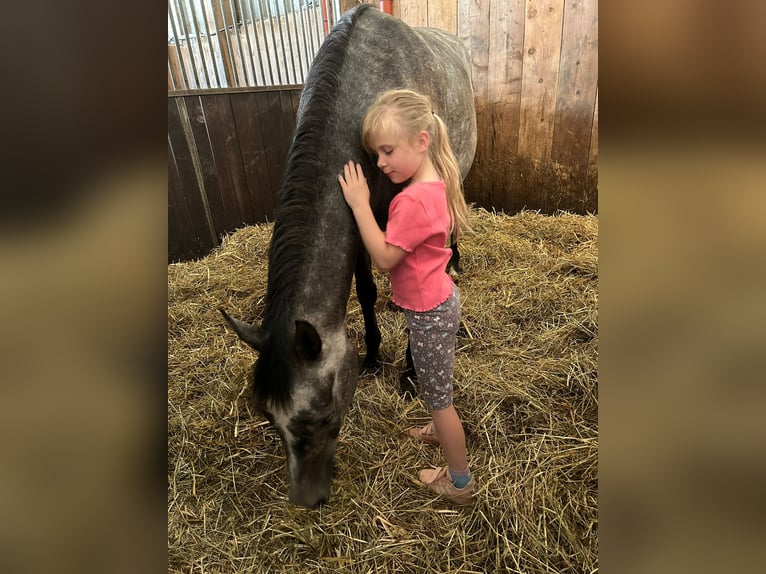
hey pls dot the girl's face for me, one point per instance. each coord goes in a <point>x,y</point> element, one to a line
<point>399,157</point>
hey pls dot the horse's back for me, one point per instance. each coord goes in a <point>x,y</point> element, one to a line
<point>385,53</point>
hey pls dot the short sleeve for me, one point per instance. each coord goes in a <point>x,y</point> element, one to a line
<point>408,223</point>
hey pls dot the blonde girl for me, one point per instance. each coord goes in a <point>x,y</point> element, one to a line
<point>412,146</point>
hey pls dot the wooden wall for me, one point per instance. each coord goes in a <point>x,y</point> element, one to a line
<point>535,76</point>
<point>535,79</point>
<point>226,156</point>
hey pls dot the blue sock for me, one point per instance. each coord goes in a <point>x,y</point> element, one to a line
<point>460,478</point>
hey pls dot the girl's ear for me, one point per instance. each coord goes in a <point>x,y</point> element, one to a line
<point>423,141</point>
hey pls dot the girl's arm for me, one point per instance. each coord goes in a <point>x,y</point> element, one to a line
<point>357,195</point>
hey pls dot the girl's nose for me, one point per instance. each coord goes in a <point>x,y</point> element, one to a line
<point>381,162</point>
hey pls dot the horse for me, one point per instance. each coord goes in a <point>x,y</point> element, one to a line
<point>307,369</point>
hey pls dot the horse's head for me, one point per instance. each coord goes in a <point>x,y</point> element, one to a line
<point>303,383</point>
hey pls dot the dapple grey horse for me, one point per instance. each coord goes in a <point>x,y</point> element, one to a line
<point>307,369</point>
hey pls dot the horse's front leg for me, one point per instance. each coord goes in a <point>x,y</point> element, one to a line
<point>408,379</point>
<point>453,267</point>
<point>367,293</point>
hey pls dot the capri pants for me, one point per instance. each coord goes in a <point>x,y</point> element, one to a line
<point>432,342</point>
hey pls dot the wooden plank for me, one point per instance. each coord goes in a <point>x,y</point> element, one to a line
<point>175,77</point>
<point>591,179</point>
<point>288,117</point>
<point>463,24</point>
<point>346,5</point>
<point>220,210</point>
<point>232,184</point>
<point>576,93</point>
<point>442,14</point>
<point>542,52</point>
<point>478,184</point>
<point>251,143</point>
<point>504,73</point>
<point>296,98</point>
<point>277,142</point>
<point>180,234</point>
<point>185,193</point>
<point>413,12</point>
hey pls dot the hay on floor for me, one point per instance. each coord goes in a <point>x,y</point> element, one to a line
<point>526,388</point>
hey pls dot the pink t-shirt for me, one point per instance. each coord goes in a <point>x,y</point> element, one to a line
<point>418,222</point>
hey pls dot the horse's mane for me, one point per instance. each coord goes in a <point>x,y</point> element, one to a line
<point>297,209</point>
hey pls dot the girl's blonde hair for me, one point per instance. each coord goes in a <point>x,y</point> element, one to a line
<point>412,113</point>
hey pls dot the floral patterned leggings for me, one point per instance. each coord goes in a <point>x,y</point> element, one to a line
<point>432,342</point>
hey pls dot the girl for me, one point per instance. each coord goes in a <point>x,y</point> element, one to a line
<point>412,145</point>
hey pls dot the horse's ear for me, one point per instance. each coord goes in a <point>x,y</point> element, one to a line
<point>308,343</point>
<point>253,336</point>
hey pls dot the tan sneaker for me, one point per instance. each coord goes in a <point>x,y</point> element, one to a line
<point>425,434</point>
<point>439,480</point>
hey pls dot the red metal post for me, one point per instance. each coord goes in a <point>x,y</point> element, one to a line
<point>387,6</point>
<point>325,13</point>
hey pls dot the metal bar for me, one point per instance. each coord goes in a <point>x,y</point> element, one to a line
<point>186,25</point>
<point>232,63</point>
<point>197,33</point>
<point>274,42</point>
<point>290,43</point>
<point>306,53</point>
<point>258,39</point>
<point>178,49</point>
<point>172,78</point>
<point>245,48</point>
<point>251,36</point>
<point>285,65</point>
<point>264,39</point>
<point>297,46</point>
<point>318,24</point>
<point>210,44</point>
<point>235,27</point>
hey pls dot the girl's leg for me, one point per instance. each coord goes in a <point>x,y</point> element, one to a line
<point>452,437</point>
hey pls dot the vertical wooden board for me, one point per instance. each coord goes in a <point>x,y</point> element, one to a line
<point>576,93</point>
<point>591,180</point>
<point>463,26</point>
<point>542,51</point>
<point>463,23</point>
<point>227,157</point>
<point>443,14</point>
<point>296,97</point>
<point>251,143</point>
<point>220,211</point>
<point>186,195</point>
<point>505,52</point>
<point>180,234</point>
<point>478,184</point>
<point>346,5</point>
<point>413,12</point>
<point>274,146</point>
<point>175,77</point>
<point>504,73</point>
<point>288,117</point>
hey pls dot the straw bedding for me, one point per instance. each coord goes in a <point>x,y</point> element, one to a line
<point>526,389</point>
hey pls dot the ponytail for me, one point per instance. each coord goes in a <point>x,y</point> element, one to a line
<point>446,164</point>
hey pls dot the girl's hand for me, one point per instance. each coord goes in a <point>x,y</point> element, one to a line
<point>354,186</point>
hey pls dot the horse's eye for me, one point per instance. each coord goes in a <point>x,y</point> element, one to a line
<point>327,420</point>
